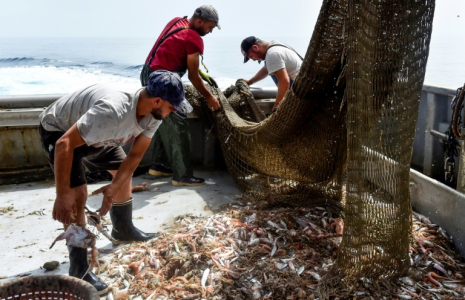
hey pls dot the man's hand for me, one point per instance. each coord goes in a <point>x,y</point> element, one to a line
<point>64,209</point>
<point>196,79</point>
<point>261,74</point>
<point>108,198</point>
<point>213,103</point>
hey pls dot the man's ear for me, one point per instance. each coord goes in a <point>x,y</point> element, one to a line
<point>198,22</point>
<point>255,48</point>
<point>157,101</point>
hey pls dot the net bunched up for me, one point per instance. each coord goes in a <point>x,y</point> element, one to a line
<point>301,148</point>
<point>352,110</point>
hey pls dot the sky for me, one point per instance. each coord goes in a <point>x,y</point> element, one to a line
<point>138,18</point>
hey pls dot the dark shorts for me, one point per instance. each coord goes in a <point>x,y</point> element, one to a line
<point>85,157</point>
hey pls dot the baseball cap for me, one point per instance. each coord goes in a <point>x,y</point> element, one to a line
<point>246,44</point>
<point>168,86</point>
<point>208,12</point>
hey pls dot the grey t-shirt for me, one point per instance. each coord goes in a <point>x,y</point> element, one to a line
<point>279,57</point>
<point>104,116</point>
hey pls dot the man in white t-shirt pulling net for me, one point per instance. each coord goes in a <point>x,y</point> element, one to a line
<point>87,129</point>
<point>282,63</point>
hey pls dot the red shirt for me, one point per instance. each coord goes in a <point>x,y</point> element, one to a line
<point>172,53</point>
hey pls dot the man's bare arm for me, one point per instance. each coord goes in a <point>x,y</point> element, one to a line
<point>125,171</point>
<point>283,85</point>
<point>196,80</point>
<point>261,74</point>
<point>64,152</point>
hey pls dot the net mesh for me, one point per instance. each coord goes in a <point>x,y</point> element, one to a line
<point>351,113</point>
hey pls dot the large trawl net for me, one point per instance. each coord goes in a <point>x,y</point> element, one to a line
<point>351,113</point>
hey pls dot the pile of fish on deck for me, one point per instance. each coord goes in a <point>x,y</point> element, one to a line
<point>248,252</point>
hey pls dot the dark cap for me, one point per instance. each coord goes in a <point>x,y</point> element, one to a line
<point>246,44</point>
<point>168,86</point>
<point>209,13</point>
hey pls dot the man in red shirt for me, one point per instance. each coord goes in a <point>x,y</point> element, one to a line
<point>178,49</point>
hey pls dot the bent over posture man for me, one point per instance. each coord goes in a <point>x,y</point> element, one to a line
<point>87,128</point>
<point>178,49</point>
<point>282,63</point>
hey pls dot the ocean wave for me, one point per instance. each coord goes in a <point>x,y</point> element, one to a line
<point>32,62</point>
<point>134,68</point>
<point>26,80</point>
<point>102,63</point>
<point>53,80</point>
<point>16,59</point>
<point>108,67</point>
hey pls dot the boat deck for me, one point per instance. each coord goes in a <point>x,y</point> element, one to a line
<point>27,229</point>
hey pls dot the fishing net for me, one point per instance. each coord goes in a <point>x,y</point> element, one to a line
<point>348,121</point>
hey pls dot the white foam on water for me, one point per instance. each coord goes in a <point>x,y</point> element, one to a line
<point>224,83</point>
<point>56,80</point>
<point>53,80</point>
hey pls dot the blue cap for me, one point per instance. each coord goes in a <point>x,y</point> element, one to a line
<point>168,86</point>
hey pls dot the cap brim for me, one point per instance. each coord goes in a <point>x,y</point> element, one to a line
<point>184,107</point>
<point>218,25</point>
<point>246,59</point>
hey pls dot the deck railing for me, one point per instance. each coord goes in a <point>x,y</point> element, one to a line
<point>20,146</point>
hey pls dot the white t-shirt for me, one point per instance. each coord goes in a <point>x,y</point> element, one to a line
<point>104,116</point>
<point>279,57</point>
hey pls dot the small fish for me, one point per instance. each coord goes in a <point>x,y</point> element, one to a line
<point>314,275</point>
<point>440,268</point>
<point>407,280</point>
<point>324,223</point>
<point>273,251</point>
<point>110,296</point>
<point>418,259</point>
<point>205,277</point>
<point>253,242</point>
<point>252,236</point>
<point>126,284</point>
<point>291,266</point>
<point>140,188</point>
<point>273,224</point>
<point>280,266</point>
<point>251,218</point>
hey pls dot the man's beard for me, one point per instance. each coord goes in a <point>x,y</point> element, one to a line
<point>156,113</point>
<point>200,32</point>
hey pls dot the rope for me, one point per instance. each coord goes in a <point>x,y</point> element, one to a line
<point>456,115</point>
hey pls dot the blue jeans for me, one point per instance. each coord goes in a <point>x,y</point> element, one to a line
<point>276,81</point>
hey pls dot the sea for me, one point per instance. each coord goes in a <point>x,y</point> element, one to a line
<point>62,65</point>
